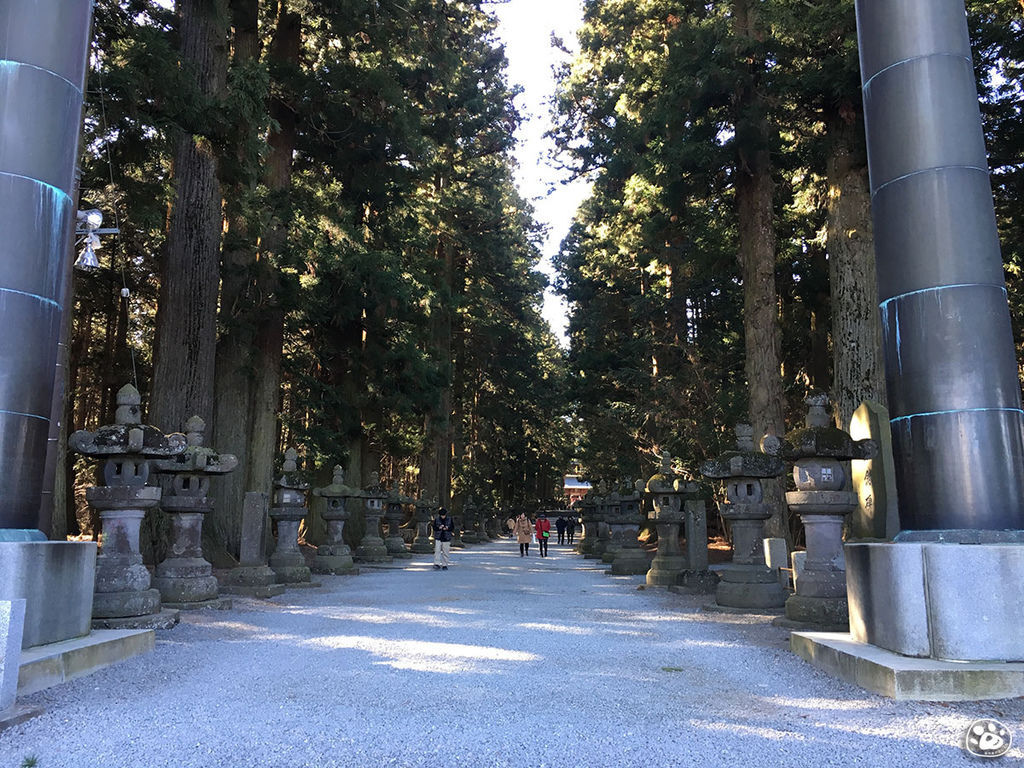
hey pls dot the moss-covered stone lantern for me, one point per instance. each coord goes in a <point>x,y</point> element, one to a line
<point>631,559</point>
<point>185,579</point>
<point>820,453</point>
<point>746,582</point>
<point>124,597</point>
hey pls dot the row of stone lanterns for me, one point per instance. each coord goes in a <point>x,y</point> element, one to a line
<point>819,453</point>
<point>136,456</point>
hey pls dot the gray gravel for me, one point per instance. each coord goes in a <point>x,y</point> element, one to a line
<point>500,661</point>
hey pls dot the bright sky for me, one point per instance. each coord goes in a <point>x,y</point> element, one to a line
<point>525,28</point>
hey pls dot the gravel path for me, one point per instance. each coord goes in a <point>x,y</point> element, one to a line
<point>499,661</point>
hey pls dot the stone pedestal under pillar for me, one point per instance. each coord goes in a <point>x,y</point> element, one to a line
<point>917,633</point>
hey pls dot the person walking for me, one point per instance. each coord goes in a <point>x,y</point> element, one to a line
<point>570,529</point>
<point>443,527</point>
<point>560,527</point>
<point>524,533</point>
<point>543,526</point>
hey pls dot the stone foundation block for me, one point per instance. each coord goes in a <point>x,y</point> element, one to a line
<point>109,605</point>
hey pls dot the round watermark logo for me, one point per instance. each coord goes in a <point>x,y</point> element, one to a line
<point>987,738</point>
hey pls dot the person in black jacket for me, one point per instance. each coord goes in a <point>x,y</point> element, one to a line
<point>444,526</point>
<point>560,527</point>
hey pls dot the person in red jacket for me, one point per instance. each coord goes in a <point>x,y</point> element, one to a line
<point>543,528</point>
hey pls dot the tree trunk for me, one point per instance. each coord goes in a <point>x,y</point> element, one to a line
<point>250,351</point>
<point>236,363</point>
<point>186,322</point>
<point>858,368</point>
<point>754,208</point>
<point>266,397</point>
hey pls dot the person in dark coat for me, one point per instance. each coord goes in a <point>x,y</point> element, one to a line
<point>443,526</point>
<point>570,529</point>
<point>560,527</point>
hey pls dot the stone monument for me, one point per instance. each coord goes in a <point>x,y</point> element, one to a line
<point>746,582</point>
<point>185,579</point>
<point>288,511</point>
<point>12,624</point>
<point>334,555</point>
<point>877,512</point>
<point>124,597</point>
<point>252,576</point>
<point>824,496</point>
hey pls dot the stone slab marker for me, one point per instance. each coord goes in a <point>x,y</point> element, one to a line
<point>776,557</point>
<point>252,551</point>
<point>253,577</point>
<point>12,624</point>
<point>874,480</point>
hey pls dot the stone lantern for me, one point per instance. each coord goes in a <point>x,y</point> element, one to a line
<point>394,514</point>
<point>669,561</point>
<point>185,579</point>
<point>457,524</point>
<point>747,582</point>
<point>631,559</point>
<point>600,517</point>
<point>372,548</point>
<point>613,526</point>
<point>288,510</point>
<point>820,453</point>
<point>124,597</point>
<point>471,522</point>
<point>422,545</point>
<point>334,555</point>
<point>588,537</point>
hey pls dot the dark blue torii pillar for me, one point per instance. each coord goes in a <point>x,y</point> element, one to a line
<point>951,369</point>
<point>43,54</point>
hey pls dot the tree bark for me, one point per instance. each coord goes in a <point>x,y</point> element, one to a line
<point>754,208</point>
<point>858,368</point>
<point>186,322</point>
<point>236,359</point>
<point>250,351</point>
